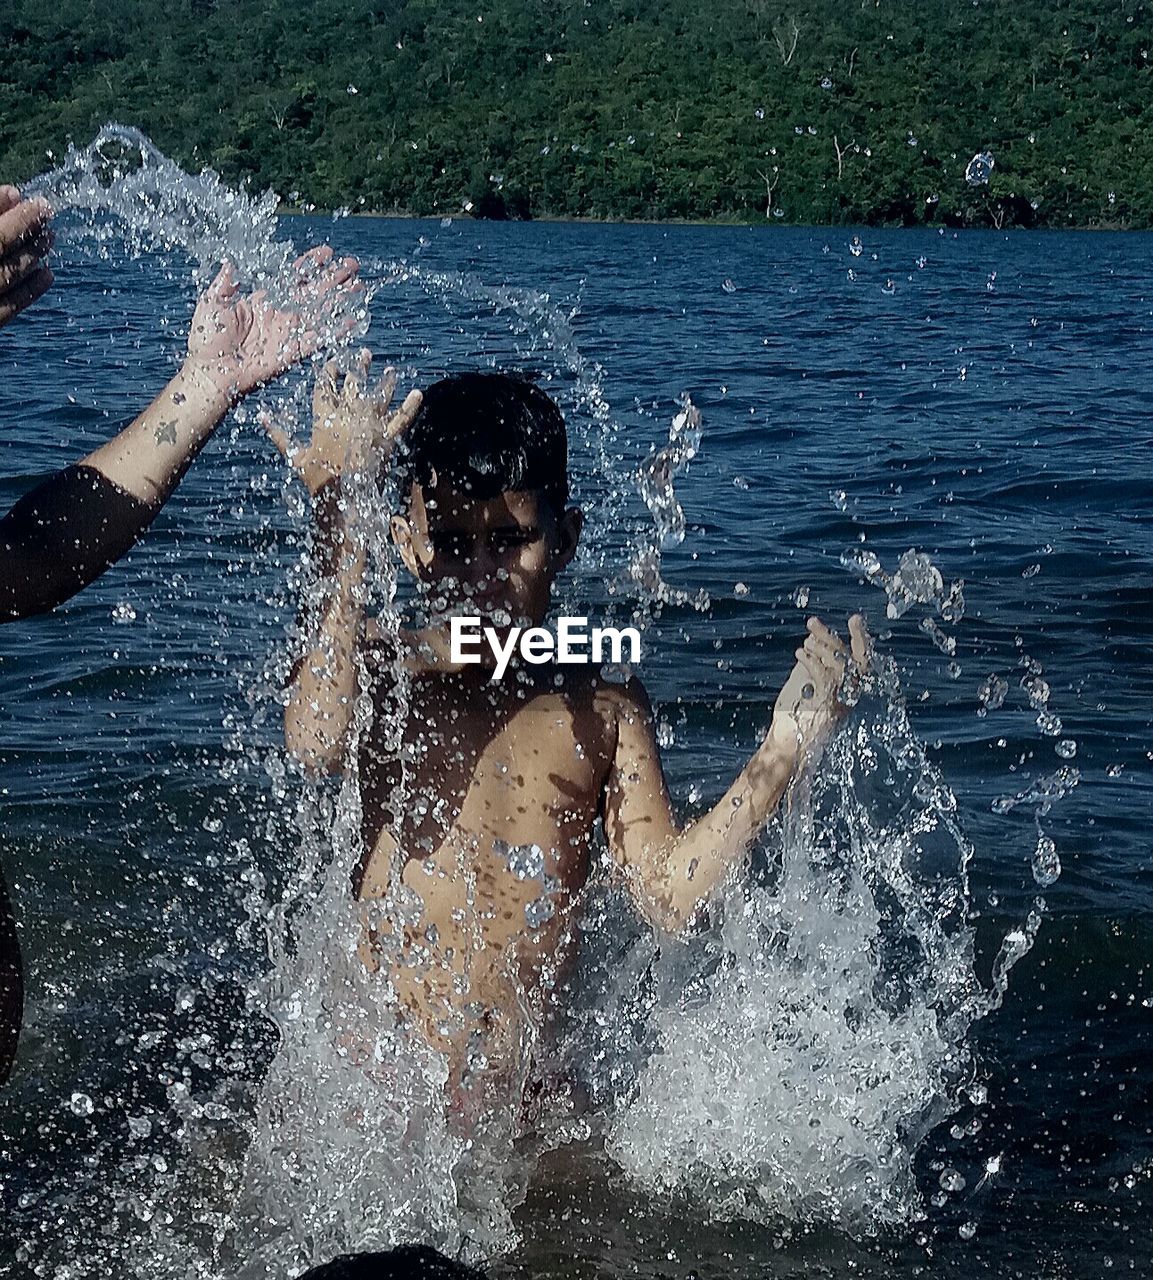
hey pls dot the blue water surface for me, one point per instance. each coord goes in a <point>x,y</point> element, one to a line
<point>981,397</point>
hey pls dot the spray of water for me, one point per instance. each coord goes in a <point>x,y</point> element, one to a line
<point>788,1059</point>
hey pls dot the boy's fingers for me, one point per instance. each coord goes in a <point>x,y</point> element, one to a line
<point>862,642</point>
<point>324,390</point>
<point>383,392</point>
<point>276,433</point>
<point>825,647</point>
<point>280,438</point>
<point>24,294</point>
<point>400,421</point>
<point>818,629</point>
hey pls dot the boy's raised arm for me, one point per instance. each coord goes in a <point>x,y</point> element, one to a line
<point>352,436</point>
<point>671,871</point>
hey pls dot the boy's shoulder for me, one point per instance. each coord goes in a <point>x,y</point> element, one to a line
<point>386,651</point>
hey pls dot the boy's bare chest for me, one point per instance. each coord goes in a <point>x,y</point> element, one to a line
<point>479,778</point>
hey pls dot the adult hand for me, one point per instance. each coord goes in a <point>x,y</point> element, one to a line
<point>25,239</point>
<point>238,343</point>
<point>810,703</point>
<point>353,430</point>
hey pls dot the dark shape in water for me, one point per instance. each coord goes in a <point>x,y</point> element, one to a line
<point>408,1262</point>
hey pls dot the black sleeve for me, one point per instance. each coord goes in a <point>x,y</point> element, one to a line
<point>62,536</point>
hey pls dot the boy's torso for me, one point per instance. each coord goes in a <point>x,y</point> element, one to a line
<point>494,810</point>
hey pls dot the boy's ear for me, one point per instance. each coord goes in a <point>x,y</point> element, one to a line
<point>401,532</point>
<point>569,528</point>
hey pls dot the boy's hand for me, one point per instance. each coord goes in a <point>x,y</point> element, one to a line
<point>238,343</point>
<point>353,432</point>
<point>24,240</point>
<point>810,703</point>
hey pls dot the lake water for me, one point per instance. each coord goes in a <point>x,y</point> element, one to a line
<point>978,397</point>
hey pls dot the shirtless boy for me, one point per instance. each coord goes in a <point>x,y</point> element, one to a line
<point>490,820</point>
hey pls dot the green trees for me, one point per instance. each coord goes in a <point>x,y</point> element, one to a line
<point>824,111</point>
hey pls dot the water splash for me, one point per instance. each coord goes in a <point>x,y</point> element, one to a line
<point>790,1061</point>
<point>121,189</point>
<point>838,989</point>
<point>152,203</point>
<point>655,481</point>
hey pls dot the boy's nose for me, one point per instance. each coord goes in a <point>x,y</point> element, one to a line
<point>482,566</point>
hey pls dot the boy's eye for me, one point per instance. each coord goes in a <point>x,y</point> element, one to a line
<point>451,546</point>
<point>508,539</point>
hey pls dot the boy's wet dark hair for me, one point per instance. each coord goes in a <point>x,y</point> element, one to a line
<point>484,434</point>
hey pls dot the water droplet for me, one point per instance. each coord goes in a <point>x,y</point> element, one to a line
<point>742,483</point>
<point>81,1105</point>
<point>951,1180</point>
<point>979,169</point>
<point>741,589</point>
<point>967,1230</point>
<point>864,563</point>
<point>801,597</point>
<point>525,861</point>
<point>1049,724</point>
<point>1115,770</point>
<point>538,911</point>
<point>122,614</point>
<point>953,606</point>
<point>917,581</point>
<point>139,1126</point>
<point>1046,862</point>
<point>992,693</point>
<point>1066,748</point>
<point>661,468</point>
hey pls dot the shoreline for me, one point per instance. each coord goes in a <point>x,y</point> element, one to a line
<point>288,211</point>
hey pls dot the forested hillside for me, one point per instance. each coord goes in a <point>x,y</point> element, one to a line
<point>834,111</point>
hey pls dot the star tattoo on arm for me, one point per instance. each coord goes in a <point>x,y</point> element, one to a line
<point>166,433</point>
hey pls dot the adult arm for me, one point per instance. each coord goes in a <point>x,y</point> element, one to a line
<point>78,522</point>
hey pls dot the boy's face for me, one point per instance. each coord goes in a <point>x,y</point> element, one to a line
<point>494,558</point>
